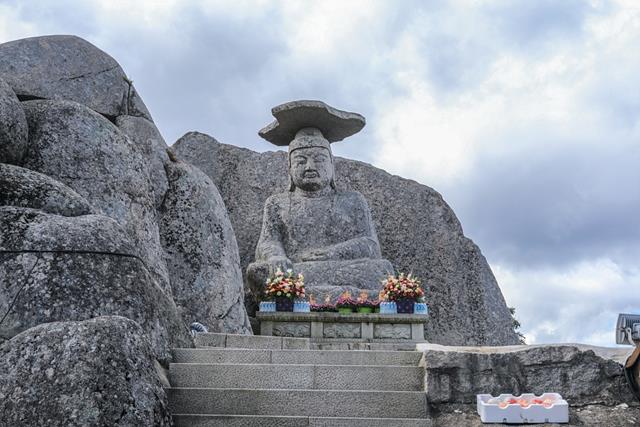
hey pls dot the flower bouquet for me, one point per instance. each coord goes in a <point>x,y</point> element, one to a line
<point>345,304</point>
<point>326,307</point>
<point>284,287</point>
<point>404,290</point>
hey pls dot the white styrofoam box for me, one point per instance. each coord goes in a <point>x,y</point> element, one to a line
<point>558,412</point>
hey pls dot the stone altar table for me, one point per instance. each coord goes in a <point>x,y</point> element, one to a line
<point>336,326</point>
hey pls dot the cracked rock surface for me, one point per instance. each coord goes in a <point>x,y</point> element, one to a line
<point>55,268</point>
<point>86,152</point>
<point>583,375</point>
<point>68,67</point>
<point>13,126</point>
<point>99,372</point>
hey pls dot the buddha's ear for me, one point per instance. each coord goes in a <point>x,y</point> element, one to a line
<point>332,183</point>
<point>292,186</point>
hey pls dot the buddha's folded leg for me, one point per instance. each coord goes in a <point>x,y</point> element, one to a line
<point>333,277</point>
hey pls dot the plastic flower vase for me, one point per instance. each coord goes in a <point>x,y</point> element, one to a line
<point>267,306</point>
<point>365,310</point>
<point>420,308</point>
<point>301,306</point>
<point>388,307</point>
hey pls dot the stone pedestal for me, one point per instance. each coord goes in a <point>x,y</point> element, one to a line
<point>336,326</point>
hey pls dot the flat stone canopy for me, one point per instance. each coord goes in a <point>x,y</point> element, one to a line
<point>334,124</point>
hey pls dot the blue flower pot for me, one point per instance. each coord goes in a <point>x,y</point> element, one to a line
<point>405,305</point>
<point>284,304</point>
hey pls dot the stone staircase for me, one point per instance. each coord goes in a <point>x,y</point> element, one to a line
<point>240,380</point>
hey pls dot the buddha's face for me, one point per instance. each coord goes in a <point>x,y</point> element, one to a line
<point>311,168</point>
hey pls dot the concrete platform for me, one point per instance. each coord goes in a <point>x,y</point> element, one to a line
<point>299,357</point>
<point>186,420</point>
<point>310,377</point>
<point>311,403</point>
<point>366,327</point>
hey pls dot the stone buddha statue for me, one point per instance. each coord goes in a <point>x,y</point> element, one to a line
<point>325,234</point>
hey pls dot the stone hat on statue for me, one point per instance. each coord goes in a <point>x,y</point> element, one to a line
<point>297,123</point>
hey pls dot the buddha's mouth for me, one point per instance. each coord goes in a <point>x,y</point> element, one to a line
<point>311,174</point>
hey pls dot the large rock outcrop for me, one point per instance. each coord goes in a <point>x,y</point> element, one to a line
<point>583,375</point>
<point>423,236</point>
<point>99,372</point>
<point>13,126</point>
<point>55,268</point>
<point>70,68</point>
<point>202,252</point>
<point>83,150</point>
<point>82,127</point>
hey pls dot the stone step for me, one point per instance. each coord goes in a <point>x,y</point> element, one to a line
<point>189,420</point>
<point>297,357</point>
<point>311,377</point>
<point>350,344</point>
<point>251,341</point>
<point>311,403</point>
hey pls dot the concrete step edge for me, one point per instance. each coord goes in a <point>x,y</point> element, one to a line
<point>301,417</point>
<point>290,365</point>
<point>301,390</point>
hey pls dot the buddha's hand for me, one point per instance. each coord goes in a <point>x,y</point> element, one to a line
<point>316,255</point>
<point>283,263</point>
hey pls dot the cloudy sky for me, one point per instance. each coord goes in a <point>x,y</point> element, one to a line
<point>525,115</point>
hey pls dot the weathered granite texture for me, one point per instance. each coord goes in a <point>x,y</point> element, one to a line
<point>330,238</point>
<point>82,149</point>
<point>25,188</point>
<point>68,67</point>
<point>583,375</point>
<point>146,135</point>
<point>77,163</point>
<point>424,237</point>
<point>202,252</point>
<point>13,126</point>
<point>99,372</point>
<point>55,268</point>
